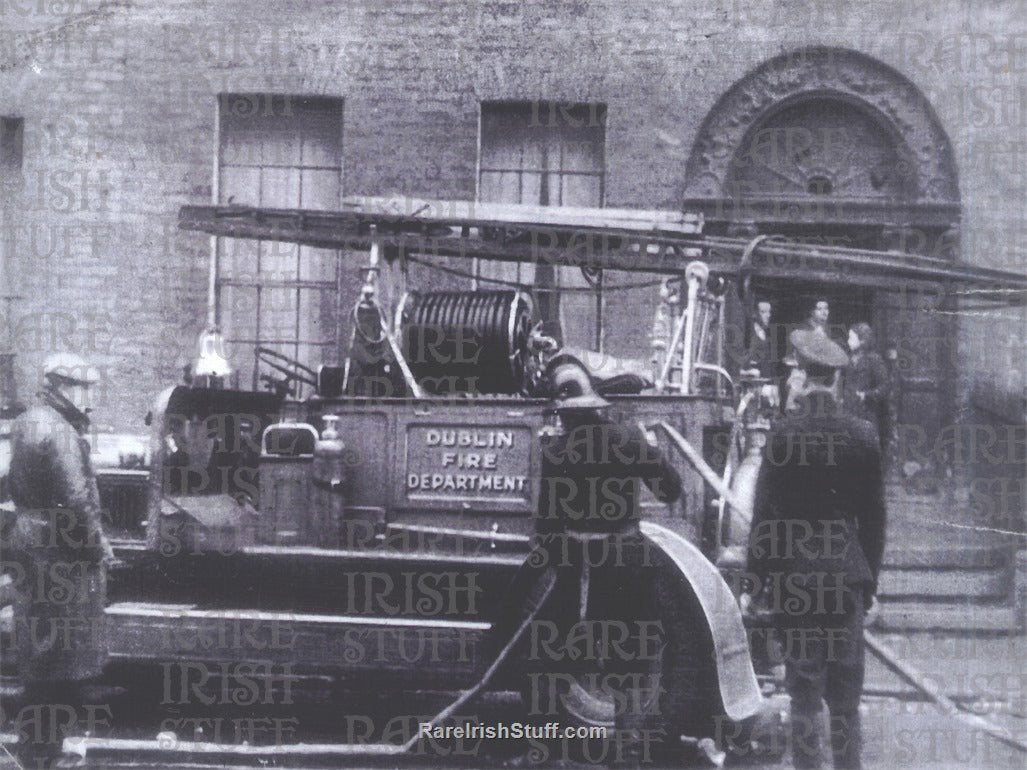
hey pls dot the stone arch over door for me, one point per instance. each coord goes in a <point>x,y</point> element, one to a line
<point>824,146</point>
<point>830,143</point>
<point>872,91</point>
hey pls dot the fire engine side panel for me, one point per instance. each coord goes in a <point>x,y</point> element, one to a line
<point>367,431</point>
<point>455,463</point>
<point>460,460</point>
<point>441,458</point>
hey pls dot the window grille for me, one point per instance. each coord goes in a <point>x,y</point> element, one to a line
<point>278,151</point>
<point>547,154</point>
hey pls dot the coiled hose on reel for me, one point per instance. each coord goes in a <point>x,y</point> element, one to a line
<point>466,342</point>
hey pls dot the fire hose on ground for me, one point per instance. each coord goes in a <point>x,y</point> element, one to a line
<point>891,661</point>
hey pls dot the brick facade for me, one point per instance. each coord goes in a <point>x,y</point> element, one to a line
<point>118,103</point>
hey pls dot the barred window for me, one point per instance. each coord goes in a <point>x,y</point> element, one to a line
<point>547,154</point>
<point>278,151</point>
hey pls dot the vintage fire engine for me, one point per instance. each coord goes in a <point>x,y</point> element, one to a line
<point>362,521</point>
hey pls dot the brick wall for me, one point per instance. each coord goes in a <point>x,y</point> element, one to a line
<point>118,101</point>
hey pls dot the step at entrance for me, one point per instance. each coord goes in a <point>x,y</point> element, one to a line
<point>943,570</point>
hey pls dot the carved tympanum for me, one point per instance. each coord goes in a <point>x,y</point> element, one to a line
<point>823,122</point>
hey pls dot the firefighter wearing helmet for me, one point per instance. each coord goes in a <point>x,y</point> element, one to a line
<point>587,447</point>
<point>593,469</point>
<point>62,548</point>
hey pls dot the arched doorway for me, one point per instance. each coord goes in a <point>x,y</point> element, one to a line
<point>829,145</point>
<point>825,147</point>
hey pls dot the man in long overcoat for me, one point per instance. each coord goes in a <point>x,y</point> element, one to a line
<point>63,552</point>
<point>816,544</point>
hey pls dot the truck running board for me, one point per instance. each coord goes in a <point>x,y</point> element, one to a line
<point>324,643</point>
<point>169,749</point>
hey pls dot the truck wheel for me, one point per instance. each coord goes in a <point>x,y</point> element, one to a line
<point>665,687</point>
<point>587,700</point>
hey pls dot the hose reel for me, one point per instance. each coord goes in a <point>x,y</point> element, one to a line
<point>466,342</point>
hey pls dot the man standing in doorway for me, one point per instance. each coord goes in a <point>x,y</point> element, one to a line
<point>760,353</point>
<point>815,547</point>
<point>868,384</point>
<point>818,317</point>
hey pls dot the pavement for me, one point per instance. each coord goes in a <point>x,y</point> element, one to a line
<point>985,675</point>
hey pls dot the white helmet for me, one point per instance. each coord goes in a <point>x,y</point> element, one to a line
<point>69,369</point>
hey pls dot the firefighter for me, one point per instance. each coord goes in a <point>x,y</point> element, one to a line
<point>815,547</point>
<point>64,553</point>
<point>592,472</point>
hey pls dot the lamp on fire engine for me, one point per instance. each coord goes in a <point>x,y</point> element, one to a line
<point>212,367</point>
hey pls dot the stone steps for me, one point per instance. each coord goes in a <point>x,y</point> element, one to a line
<point>942,557</point>
<point>948,616</point>
<point>994,583</point>
<point>942,571</point>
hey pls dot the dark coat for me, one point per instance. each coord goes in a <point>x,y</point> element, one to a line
<point>591,560</point>
<point>591,477</point>
<point>60,544</point>
<point>868,374</point>
<point>819,503</point>
<point>759,354</point>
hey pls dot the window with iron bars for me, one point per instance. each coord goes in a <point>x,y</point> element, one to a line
<point>278,151</point>
<point>547,154</point>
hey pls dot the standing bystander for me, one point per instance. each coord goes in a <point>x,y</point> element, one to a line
<point>760,352</point>
<point>867,384</point>
<point>815,548</point>
<point>64,553</point>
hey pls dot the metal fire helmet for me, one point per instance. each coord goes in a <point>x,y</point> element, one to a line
<point>211,360</point>
<point>571,385</point>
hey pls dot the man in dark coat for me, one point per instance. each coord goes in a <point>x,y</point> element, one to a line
<point>61,546</point>
<point>592,467</point>
<point>760,353</point>
<point>815,547</point>
<point>593,471</point>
